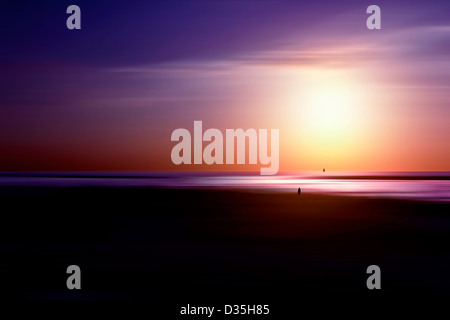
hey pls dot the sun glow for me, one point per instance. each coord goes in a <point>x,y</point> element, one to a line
<point>329,104</point>
<point>332,117</point>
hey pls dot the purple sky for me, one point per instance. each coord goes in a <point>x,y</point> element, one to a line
<point>107,97</point>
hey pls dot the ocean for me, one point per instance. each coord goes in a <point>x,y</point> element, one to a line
<point>428,186</point>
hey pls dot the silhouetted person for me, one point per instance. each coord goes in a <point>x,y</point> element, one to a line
<point>299,191</point>
<point>323,170</point>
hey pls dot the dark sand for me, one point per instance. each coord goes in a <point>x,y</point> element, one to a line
<point>183,246</point>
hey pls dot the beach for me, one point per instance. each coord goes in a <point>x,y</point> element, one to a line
<point>173,244</point>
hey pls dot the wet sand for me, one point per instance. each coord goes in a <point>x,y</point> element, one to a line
<point>217,245</point>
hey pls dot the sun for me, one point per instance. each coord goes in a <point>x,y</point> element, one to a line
<point>330,115</point>
<point>328,104</point>
<point>328,107</point>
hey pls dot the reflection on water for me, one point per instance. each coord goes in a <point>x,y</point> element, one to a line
<point>420,189</point>
<point>433,186</point>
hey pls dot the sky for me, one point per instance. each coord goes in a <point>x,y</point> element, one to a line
<point>107,97</point>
